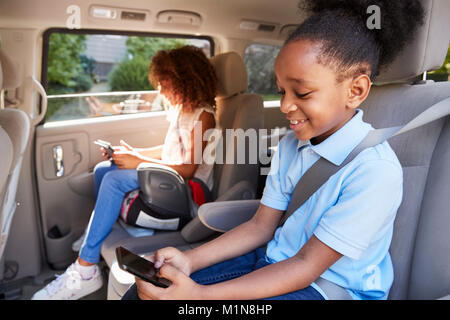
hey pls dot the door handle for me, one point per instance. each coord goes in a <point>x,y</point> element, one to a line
<point>58,160</point>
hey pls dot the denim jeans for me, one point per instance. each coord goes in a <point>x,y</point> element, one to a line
<point>234,268</point>
<point>111,185</point>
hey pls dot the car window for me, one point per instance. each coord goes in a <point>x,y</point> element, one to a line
<point>92,74</point>
<point>259,60</point>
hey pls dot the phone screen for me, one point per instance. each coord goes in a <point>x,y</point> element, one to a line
<point>140,267</point>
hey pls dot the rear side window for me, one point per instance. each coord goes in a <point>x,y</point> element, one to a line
<point>91,74</point>
<point>259,60</point>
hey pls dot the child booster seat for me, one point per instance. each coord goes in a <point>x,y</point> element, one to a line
<point>164,200</point>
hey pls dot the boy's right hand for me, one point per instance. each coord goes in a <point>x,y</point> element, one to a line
<point>174,257</point>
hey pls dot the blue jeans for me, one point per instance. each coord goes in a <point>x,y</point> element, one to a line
<point>111,185</point>
<point>234,268</point>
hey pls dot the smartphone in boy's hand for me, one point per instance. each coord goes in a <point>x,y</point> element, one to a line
<point>140,267</point>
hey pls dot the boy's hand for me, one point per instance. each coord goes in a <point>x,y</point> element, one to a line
<point>175,266</point>
<point>182,287</point>
<point>173,257</point>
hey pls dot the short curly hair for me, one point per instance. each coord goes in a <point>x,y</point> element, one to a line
<point>186,75</point>
<point>347,43</point>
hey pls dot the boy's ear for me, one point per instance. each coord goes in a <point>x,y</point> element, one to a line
<point>358,91</point>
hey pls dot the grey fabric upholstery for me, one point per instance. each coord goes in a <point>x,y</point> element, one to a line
<point>223,216</point>
<point>7,152</point>
<point>235,109</point>
<point>244,111</point>
<point>429,47</point>
<point>232,74</point>
<point>415,151</point>
<point>430,269</point>
<point>16,124</point>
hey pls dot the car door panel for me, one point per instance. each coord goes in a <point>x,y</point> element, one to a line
<point>67,199</point>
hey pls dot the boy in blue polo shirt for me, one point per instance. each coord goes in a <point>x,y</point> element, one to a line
<point>342,233</point>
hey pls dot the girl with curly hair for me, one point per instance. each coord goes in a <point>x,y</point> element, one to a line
<point>340,236</point>
<point>187,82</point>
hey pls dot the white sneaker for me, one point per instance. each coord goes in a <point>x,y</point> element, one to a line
<point>76,246</point>
<point>70,286</point>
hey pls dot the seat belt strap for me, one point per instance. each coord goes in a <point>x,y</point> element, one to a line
<point>323,169</point>
<point>332,290</point>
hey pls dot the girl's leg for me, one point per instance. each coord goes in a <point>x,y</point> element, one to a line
<point>99,172</point>
<point>115,184</point>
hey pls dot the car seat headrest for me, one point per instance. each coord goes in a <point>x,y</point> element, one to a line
<point>428,49</point>
<point>10,77</point>
<point>231,74</point>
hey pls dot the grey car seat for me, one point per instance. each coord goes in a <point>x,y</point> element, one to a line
<point>420,246</point>
<point>16,125</point>
<point>235,109</point>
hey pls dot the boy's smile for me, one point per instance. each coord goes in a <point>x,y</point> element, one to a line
<point>314,102</point>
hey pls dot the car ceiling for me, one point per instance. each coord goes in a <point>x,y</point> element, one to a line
<point>219,18</point>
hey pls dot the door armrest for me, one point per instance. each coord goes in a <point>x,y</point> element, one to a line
<point>222,216</point>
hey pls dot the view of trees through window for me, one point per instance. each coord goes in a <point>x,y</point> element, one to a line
<point>103,74</point>
<point>259,60</point>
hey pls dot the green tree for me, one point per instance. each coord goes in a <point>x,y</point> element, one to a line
<point>146,47</point>
<point>131,74</point>
<point>259,61</point>
<point>65,71</point>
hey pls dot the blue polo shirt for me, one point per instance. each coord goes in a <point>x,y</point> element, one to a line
<point>353,212</point>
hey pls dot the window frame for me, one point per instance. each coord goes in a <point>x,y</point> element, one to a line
<point>48,32</point>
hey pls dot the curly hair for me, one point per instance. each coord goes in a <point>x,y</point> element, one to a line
<point>347,44</point>
<point>186,75</point>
